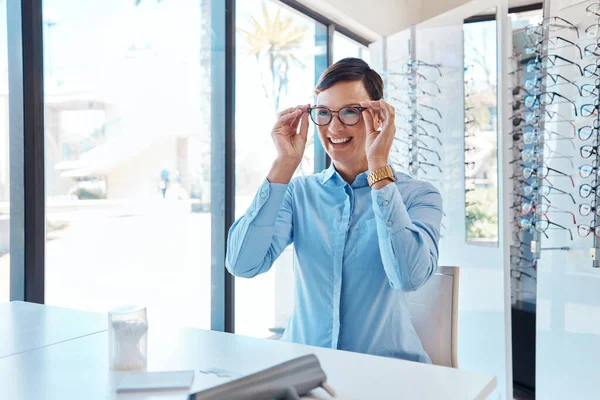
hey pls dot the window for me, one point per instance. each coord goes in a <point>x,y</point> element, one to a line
<point>4,162</point>
<point>481,129</point>
<point>344,47</point>
<point>278,54</point>
<point>127,113</point>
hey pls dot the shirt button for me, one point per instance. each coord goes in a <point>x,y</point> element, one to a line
<point>389,223</point>
<point>254,213</point>
<point>262,195</point>
<point>386,203</point>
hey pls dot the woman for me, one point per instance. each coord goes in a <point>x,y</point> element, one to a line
<point>363,235</point>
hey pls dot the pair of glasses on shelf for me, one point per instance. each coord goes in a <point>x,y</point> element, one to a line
<point>586,190</point>
<point>418,165</point>
<point>533,154</point>
<point>542,172</point>
<point>420,131</point>
<point>587,110</point>
<point>586,132</point>
<point>551,61</point>
<point>414,119</point>
<point>546,99</point>
<point>535,136</point>
<point>541,45</point>
<point>586,209</point>
<point>545,190</point>
<point>542,210</point>
<point>585,230</point>
<point>415,65</point>
<point>552,80</point>
<point>407,105</point>
<point>541,225</point>
<point>551,24</point>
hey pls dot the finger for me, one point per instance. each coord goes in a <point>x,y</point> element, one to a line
<point>287,111</point>
<point>368,116</point>
<point>388,112</point>
<point>289,117</point>
<point>304,125</point>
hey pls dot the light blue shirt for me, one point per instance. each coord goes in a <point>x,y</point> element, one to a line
<point>357,251</point>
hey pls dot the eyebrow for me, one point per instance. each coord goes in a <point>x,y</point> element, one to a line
<point>347,105</point>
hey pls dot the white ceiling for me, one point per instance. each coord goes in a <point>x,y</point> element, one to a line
<point>373,19</point>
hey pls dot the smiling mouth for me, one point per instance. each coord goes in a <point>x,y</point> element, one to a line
<point>339,142</point>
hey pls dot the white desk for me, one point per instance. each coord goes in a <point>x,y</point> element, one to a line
<point>27,326</point>
<point>78,369</point>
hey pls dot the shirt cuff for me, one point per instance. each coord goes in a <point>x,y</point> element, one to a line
<point>266,204</point>
<point>390,210</point>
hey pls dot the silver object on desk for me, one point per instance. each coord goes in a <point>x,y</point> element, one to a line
<point>288,381</point>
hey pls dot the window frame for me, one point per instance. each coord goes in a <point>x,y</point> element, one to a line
<point>27,161</point>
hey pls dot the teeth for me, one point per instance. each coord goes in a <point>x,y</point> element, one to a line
<point>338,141</point>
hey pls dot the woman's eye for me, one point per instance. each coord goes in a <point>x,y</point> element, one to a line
<point>350,111</point>
<point>323,113</point>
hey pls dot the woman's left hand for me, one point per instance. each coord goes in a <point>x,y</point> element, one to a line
<point>379,141</point>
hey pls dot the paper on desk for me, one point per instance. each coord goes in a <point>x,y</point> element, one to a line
<point>162,380</point>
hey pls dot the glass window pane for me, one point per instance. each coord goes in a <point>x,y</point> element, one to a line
<point>344,47</point>
<point>277,53</point>
<point>4,162</point>
<point>127,112</point>
<point>481,126</point>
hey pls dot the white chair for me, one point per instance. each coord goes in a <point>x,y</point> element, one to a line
<point>434,313</point>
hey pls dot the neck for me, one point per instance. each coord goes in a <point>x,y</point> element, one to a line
<point>350,170</point>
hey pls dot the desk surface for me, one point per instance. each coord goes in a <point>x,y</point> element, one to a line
<point>28,326</point>
<point>78,368</point>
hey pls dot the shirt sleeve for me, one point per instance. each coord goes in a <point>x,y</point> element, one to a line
<point>408,237</point>
<point>257,238</point>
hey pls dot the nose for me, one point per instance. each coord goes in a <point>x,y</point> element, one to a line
<point>335,126</point>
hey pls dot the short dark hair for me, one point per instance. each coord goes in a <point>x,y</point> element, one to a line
<point>349,70</point>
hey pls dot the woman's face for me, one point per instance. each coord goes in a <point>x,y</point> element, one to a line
<point>350,146</point>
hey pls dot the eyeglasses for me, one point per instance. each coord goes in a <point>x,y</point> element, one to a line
<point>533,136</point>
<point>589,70</point>
<point>587,151</point>
<point>593,30</point>
<point>543,45</point>
<point>585,171</point>
<point>409,106</point>
<point>550,61</point>
<point>586,132</point>
<point>542,209</point>
<point>586,209</point>
<point>555,80</point>
<point>542,172</point>
<point>545,190</point>
<point>552,24</point>
<point>590,90</point>
<point>416,165</point>
<point>541,225</point>
<point>534,154</point>
<point>585,230</point>
<point>414,65</point>
<point>348,116</point>
<point>545,99</point>
<point>587,110</point>
<point>586,190</point>
<point>593,9</point>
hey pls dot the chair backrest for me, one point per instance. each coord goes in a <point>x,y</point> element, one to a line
<point>434,314</point>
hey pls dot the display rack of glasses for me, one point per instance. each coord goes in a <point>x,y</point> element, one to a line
<point>555,112</point>
<point>413,91</point>
<point>471,129</point>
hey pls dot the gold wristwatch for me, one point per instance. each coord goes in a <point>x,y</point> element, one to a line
<point>380,174</point>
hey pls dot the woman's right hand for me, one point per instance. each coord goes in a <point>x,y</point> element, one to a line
<point>289,140</point>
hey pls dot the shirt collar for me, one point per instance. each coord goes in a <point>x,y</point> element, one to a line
<point>329,173</point>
